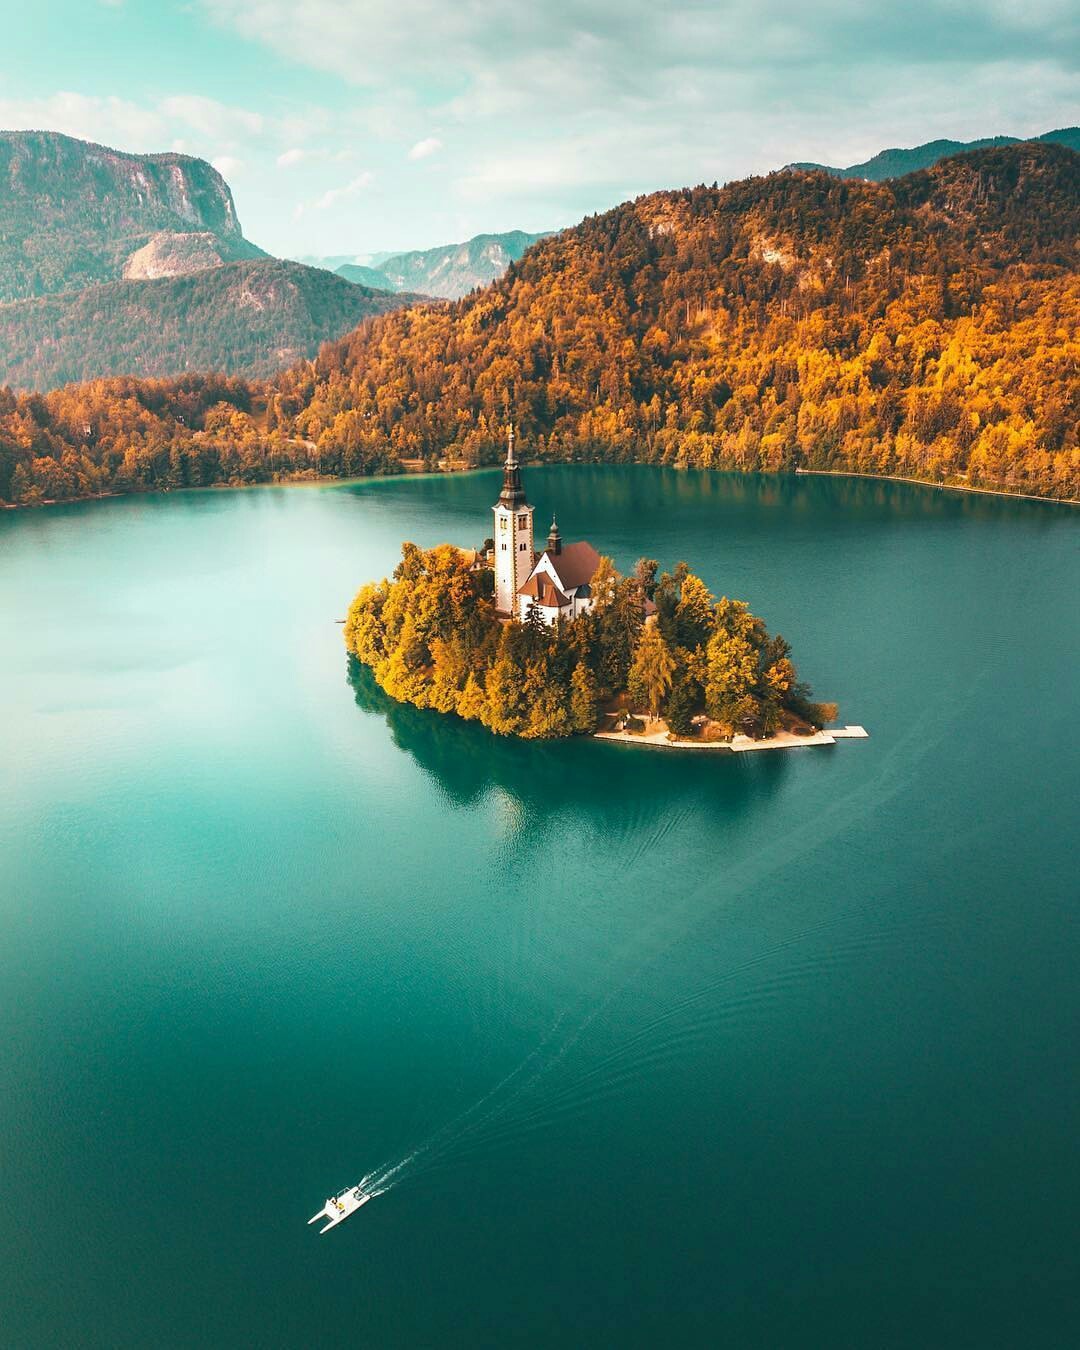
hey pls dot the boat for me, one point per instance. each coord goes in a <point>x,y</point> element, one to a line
<point>340,1207</point>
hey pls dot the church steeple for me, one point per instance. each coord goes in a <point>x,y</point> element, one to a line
<point>513,494</point>
<point>554,540</point>
<point>513,535</point>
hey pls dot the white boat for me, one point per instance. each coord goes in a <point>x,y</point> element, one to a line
<point>339,1207</point>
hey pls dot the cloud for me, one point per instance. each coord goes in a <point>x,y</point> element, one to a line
<point>378,43</point>
<point>431,145</point>
<point>110,121</point>
<point>295,155</point>
<point>548,112</point>
<point>564,105</point>
<point>338,194</point>
<point>227,165</point>
<point>211,118</point>
<point>335,195</point>
<point>142,128</point>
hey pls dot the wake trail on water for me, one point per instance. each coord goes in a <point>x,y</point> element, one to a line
<point>492,1119</point>
<point>446,1135</point>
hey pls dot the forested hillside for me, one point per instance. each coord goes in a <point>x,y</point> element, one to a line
<point>927,326</point>
<point>250,318</point>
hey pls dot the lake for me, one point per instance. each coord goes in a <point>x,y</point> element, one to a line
<point>674,1050</point>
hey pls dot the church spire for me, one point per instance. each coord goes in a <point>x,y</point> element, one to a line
<point>512,494</point>
<point>554,540</point>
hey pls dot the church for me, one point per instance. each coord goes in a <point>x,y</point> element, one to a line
<point>557,580</point>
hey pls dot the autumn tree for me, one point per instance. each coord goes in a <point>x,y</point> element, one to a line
<point>431,638</point>
<point>653,667</point>
<point>583,699</point>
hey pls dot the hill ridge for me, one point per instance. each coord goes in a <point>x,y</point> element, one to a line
<point>896,161</point>
<point>924,327</point>
<point>249,316</point>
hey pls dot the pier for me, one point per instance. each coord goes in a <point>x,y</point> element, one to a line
<point>738,745</point>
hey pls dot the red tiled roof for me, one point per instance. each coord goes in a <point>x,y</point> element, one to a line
<point>576,564</point>
<point>544,591</point>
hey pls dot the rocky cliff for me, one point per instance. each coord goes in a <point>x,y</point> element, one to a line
<point>73,214</point>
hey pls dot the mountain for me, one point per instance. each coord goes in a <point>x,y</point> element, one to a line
<point>332,261</point>
<point>360,275</point>
<point>251,317</point>
<point>74,214</point>
<point>449,271</point>
<point>895,163</point>
<point>112,263</point>
<point>925,327</point>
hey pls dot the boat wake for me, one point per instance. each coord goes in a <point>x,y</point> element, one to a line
<point>510,1110</point>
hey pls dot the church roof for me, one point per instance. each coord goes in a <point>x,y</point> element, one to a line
<point>575,565</point>
<point>544,591</point>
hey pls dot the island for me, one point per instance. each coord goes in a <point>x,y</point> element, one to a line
<point>556,642</point>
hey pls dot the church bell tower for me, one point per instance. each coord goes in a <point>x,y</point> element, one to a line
<point>513,535</point>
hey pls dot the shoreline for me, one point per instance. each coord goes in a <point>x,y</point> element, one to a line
<point>929,483</point>
<point>738,745</point>
<point>232,487</point>
<point>330,481</point>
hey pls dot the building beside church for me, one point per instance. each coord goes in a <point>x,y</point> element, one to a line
<point>555,581</point>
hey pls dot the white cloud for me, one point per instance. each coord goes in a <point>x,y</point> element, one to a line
<point>139,128</point>
<point>550,111</point>
<point>335,195</point>
<point>227,165</point>
<point>110,121</point>
<point>384,43</point>
<point>295,155</point>
<point>211,118</point>
<point>339,194</point>
<point>430,145</point>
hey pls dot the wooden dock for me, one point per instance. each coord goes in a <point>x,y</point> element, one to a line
<point>738,745</point>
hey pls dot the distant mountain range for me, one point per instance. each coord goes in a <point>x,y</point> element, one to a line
<point>920,328</point>
<point>895,163</point>
<point>112,263</point>
<point>456,269</point>
<point>447,272</point>
<point>361,275</point>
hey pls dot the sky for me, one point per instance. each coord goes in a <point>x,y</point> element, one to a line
<point>346,127</point>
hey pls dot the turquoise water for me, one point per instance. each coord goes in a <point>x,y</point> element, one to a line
<point>766,1050</point>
